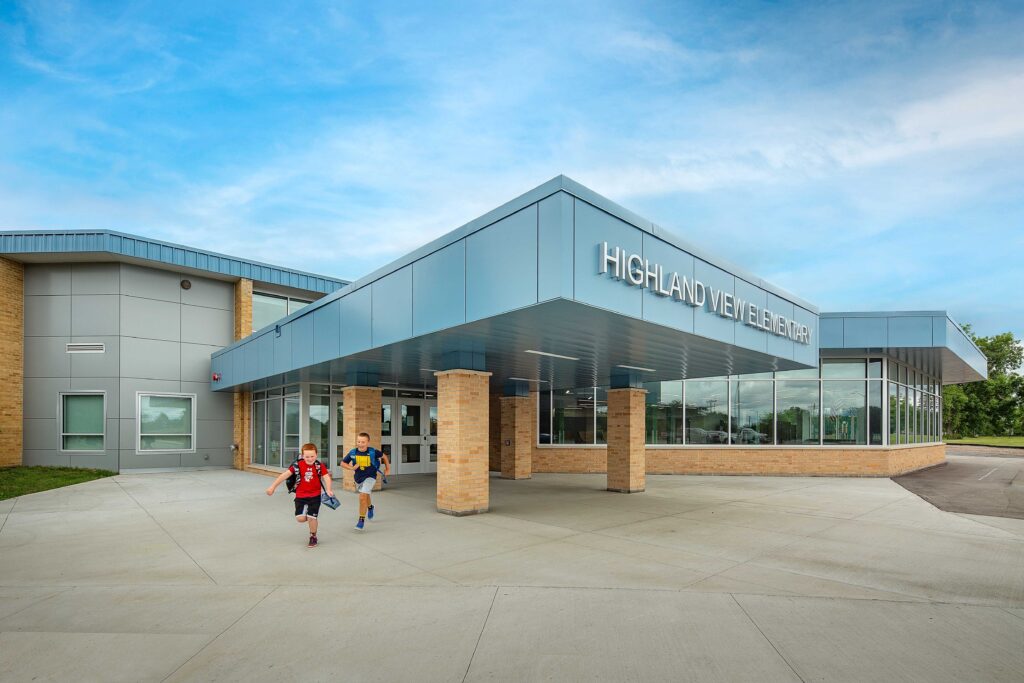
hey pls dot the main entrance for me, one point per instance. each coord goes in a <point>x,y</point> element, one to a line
<point>408,428</point>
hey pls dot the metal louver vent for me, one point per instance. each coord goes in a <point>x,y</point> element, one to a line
<point>86,347</point>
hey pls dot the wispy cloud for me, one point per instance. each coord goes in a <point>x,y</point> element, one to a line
<point>847,151</point>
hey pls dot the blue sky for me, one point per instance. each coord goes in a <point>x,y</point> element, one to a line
<point>861,155</point>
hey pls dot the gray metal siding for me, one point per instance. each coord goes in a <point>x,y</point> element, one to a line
<point>162,254</point>
<point>145,321</point>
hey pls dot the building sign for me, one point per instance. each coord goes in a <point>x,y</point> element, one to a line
<point>640,272</point>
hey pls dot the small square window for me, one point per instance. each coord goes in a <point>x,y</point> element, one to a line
<point>83,421</point>
<point>165,423</point>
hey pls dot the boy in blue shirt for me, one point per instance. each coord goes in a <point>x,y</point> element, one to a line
<point>365,463</point>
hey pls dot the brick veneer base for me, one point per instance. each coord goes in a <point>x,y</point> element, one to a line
<point>463,487</point>
<point>12,361</point>
<point>361,414</point>
<point>832,461</point>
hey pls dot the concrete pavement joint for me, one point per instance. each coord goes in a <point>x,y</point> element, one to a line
<point>481,634</point>
<point>9,513</point>
<point>161,527</point>
<point>226,629</point>
<point>763,635</point>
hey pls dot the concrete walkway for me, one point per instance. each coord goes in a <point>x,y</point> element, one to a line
<point>199,576</point>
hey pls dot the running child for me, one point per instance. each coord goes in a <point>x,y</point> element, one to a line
<point>365,462</point>
<point>311,477</point>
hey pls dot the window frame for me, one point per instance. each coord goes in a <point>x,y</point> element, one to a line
<point>60,422</point>
<point>138,423</point>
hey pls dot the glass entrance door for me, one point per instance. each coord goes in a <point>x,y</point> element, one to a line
<point>415,436</point>
<point>337,447</point>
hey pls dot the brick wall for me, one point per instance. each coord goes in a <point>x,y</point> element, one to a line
<point>462,442</point>
<point>362,414</point>
<point>626,455</point>
<point>494,433</point>
<point>12,361</point>
<point>516,445</point>
<point>242,410</point>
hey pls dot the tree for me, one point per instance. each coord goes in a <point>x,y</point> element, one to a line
<point>994,407</point>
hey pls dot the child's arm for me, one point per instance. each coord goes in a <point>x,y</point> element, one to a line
<point>277,482</point>
<point>327,484</point>
<point>387,463</point>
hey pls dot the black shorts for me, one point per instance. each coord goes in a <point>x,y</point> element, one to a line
<point>310,507</point>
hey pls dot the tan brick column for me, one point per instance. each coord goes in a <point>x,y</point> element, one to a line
<point>626,449</point>
<point>362,414</point>
<point>242,408</point>
<point>516,437</point>
<point>463,487</point>
<point>12,361</point>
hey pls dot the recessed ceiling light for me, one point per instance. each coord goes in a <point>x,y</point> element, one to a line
<point>553,355</point>
<point>633,367</point>
<point>429,370</point>
<point>523,379</point>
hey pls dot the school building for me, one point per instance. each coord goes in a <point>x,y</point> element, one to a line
<point>559,332</point>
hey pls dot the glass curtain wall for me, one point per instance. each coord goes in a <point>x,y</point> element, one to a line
<point>855,401</point>
<point>275,438</point>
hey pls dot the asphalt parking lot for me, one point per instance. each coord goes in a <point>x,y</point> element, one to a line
<point>976,480</point>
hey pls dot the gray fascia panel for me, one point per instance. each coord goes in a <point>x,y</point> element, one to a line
<point>134,247</point>
<point>559,183</point>
<point>969,356</point>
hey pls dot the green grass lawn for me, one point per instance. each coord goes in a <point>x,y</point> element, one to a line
<point>17,481</point>
<point>1006,441</point>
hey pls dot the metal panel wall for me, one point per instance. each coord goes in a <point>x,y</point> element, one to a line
<point>555,218</point>
<point>501,266</point>
<point>593,227</point>
<point>391,317</point>
<point>439,289</point>
<point>660,309</point>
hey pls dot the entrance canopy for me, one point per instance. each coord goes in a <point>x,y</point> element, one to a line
<point>559,285</point>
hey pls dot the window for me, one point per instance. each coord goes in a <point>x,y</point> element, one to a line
<point>573,416</point>
<point>267,309</point>
<point>799,415</point>
<point>82,419</point>
<point>844,406</point>
<point>166,422</point>
<point>753,417</point>
<point>664,412</point>
<point>707,412</point>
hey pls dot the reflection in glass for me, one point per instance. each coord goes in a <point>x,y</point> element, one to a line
<point>664,412</point>
<point>320,422</point>
<point>410,421</point>
<point>894,414</point>
<point>410,452</point>
<point>752,414</point>
<point>601,414</point>
<point>573,416</point>
<point>844,411</point>
<point>875,412</point>
<point>385,420</point>
<point>842,369</point>
<point>274,432</point>
<point>707,417</point>
<point>544,417</point>
<point>798,412</point>
<point>165,423</point>
<point>291,431</point>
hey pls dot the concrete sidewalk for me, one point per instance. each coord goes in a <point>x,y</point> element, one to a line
<point>199,576</point>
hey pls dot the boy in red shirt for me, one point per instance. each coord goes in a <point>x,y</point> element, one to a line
<point>309,472</point>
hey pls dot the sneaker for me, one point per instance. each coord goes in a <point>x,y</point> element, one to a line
<point>312,541</point>
<point>369,512</point>
<point>359,524</point>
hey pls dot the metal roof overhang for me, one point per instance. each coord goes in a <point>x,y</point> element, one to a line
<point>601,340</point>
<point>928,340</point>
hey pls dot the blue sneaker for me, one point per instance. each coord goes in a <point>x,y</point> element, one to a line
<point>359,524</point>
<point>369,512</point>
